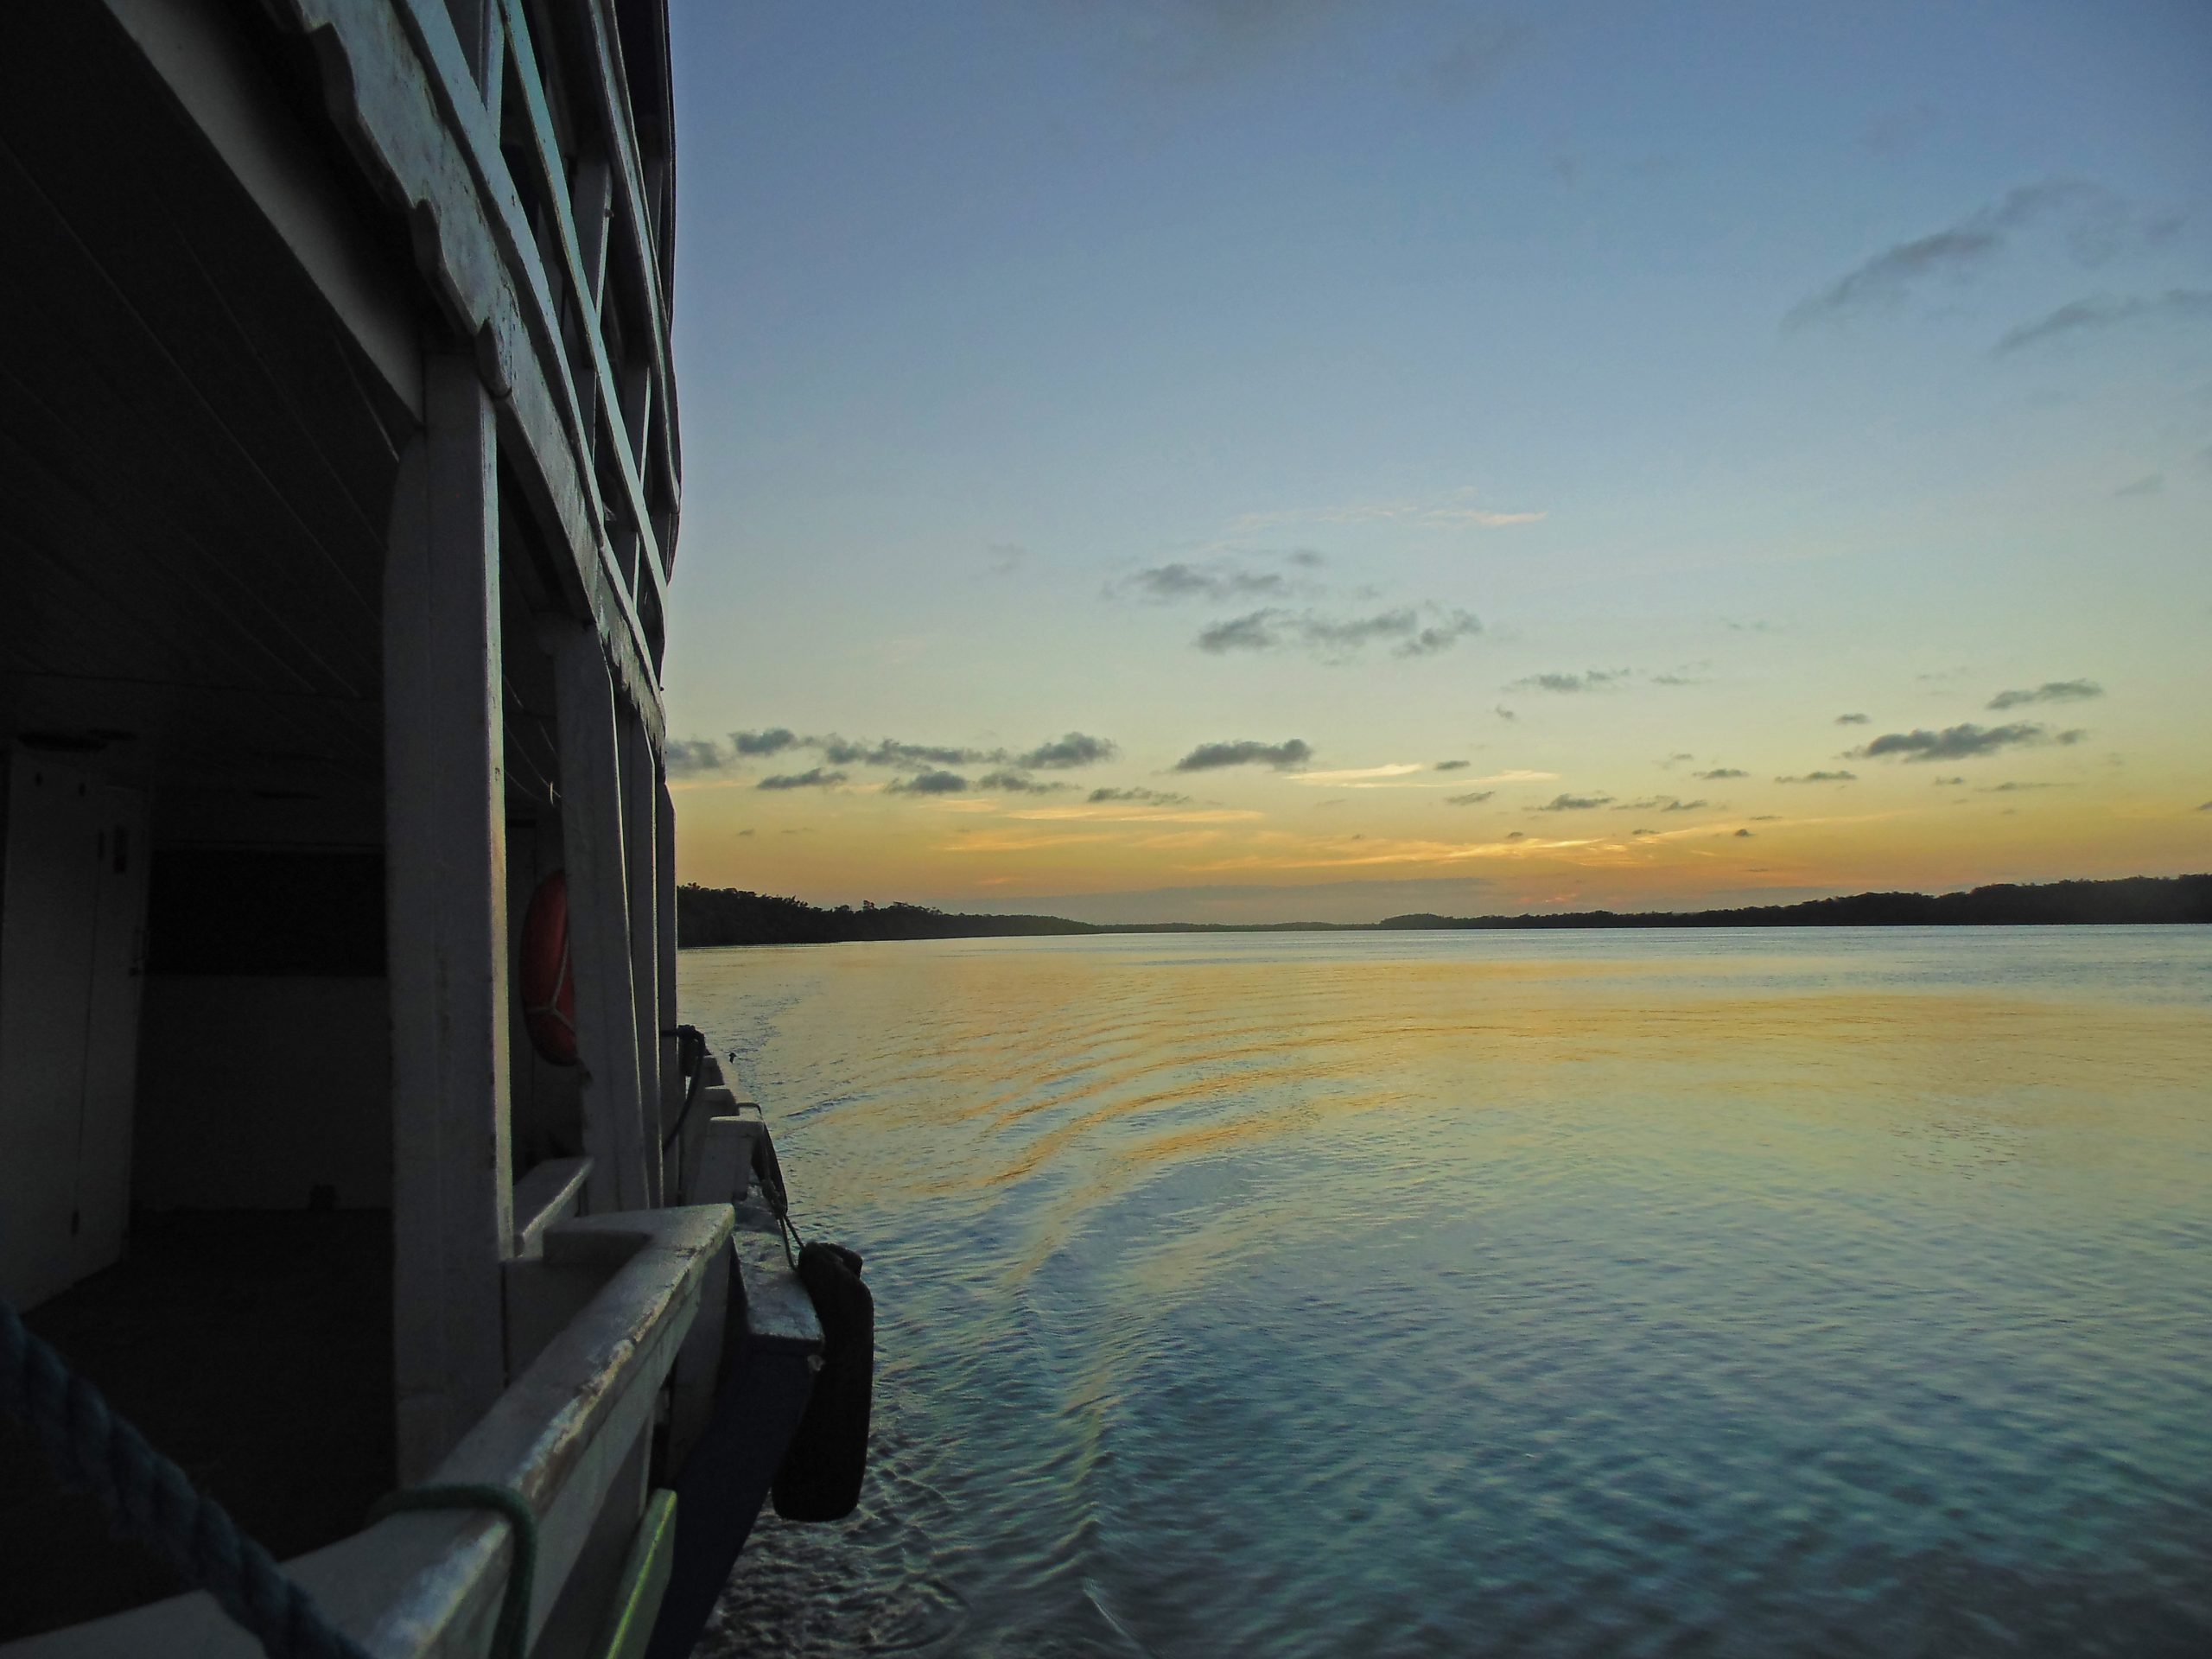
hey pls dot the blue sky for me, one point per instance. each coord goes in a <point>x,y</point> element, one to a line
<point>1774,363</point>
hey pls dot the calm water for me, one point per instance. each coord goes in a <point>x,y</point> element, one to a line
<point>1761,1293</point>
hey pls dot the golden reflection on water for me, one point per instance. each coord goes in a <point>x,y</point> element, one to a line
<point>1702,1283</point>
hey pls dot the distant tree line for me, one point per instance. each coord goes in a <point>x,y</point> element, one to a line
<point>723,916</point>
<point>2133,899</point>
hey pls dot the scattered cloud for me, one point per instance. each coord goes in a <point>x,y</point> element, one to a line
<point>1338,638</point>
<point>1852,720</point>
<point>1451,766</point>
<point>2149,484</point>
<point>812,778</point>
<point>1743,835</point>
<point>774,740</point>
<point>1960,251</point>
<point>1660,804</point>
<point>1074,749</point>
<point>1961,742</point>
<point>2017,789</point>
<point>1721,774</point>
<point>2048,691</point>
<point>1573,803</point>
<point>1821,777</point>
<point>890,752</point>
<point>1504,713</point>
<point>930,782</point>
<point>687,757</point>
<point>1472,797</point>
<point>1217,580</point>
<point>1595,679</point>
<point>2108,311</point>
<point>1145,796</point>
<point>1947,783</point>
<point>1008,782</point>
<point>1210,757</point>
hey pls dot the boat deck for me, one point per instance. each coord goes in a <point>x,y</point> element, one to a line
<point>254,1349</point>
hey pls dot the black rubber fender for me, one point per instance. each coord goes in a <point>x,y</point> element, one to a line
<point>820,1479</point>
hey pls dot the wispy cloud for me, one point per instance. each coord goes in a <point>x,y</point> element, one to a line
<point>2110,311</point>
<point>1008,782</point>
<point>1455,511</point>
<point>1211,757</point>
<point>1594,679</point>
<point>2048,691</point>
<point>1852,720</point>
<point>1721,774</point>
<point>2149,484</point>
<point>1339,639</point>
<point>1821,777</point>
<point>1472,797</point>
<point>1216,580</point>
<point>813,778</point>
<point>1452,766</point>
<point>1961,742</point>
<point>1573,803</point>
<point>1962,250</point>
<point>1148,797</point>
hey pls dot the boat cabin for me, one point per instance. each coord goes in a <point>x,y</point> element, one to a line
<point>339,485</point>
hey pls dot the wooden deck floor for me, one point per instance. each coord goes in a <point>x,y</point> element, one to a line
<point>255,1349</point>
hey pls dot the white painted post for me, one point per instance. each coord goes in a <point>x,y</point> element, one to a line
<point>671,1074</point>
<point>640,852</point>
<point>598,917</point>
<point>445,914</point>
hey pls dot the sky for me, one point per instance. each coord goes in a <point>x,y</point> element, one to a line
<point>1219,459</point>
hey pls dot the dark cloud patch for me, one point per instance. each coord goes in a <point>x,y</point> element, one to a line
<point>1660,804</point>
<point>1211,757</point>
<point>687,757</point>
<point>1518,834</point>
<point>2018,789</point>
<point>1338,638</point>
<point>1684,806</point>
<point>2108,311</point>
<point>1504,713</point>
<point>744,834</point>
<point>1679,679</point>
<point>1961,742</point>
<point>2207,807</point>
<point>1948,783</point>
<point>1853,720</point>
<point>812,778</point>
<point>1594,679</point>
<point>930,782</point>
<point>1821,777</point>
<point>1474,797</point>
<point>774,740</point>
<point>1721,774</point>
<point>1164,584</point>
<point>2048,691</point>
<point>1573,803</point>
<point>1075,749</point>
<point>1961,250</point>
<point>1450,766</point>
<point>890,752</point>
<point>1017,783</point>
<point>1138,796</point>
<point>1743,835</point>
<point>1642,832</point>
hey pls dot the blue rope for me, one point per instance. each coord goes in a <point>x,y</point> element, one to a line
<point>149,1498</point>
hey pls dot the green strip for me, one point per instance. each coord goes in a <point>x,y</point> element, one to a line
<point>643,1582</point>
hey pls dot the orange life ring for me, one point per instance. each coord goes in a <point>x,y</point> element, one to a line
<point>548,985</point>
